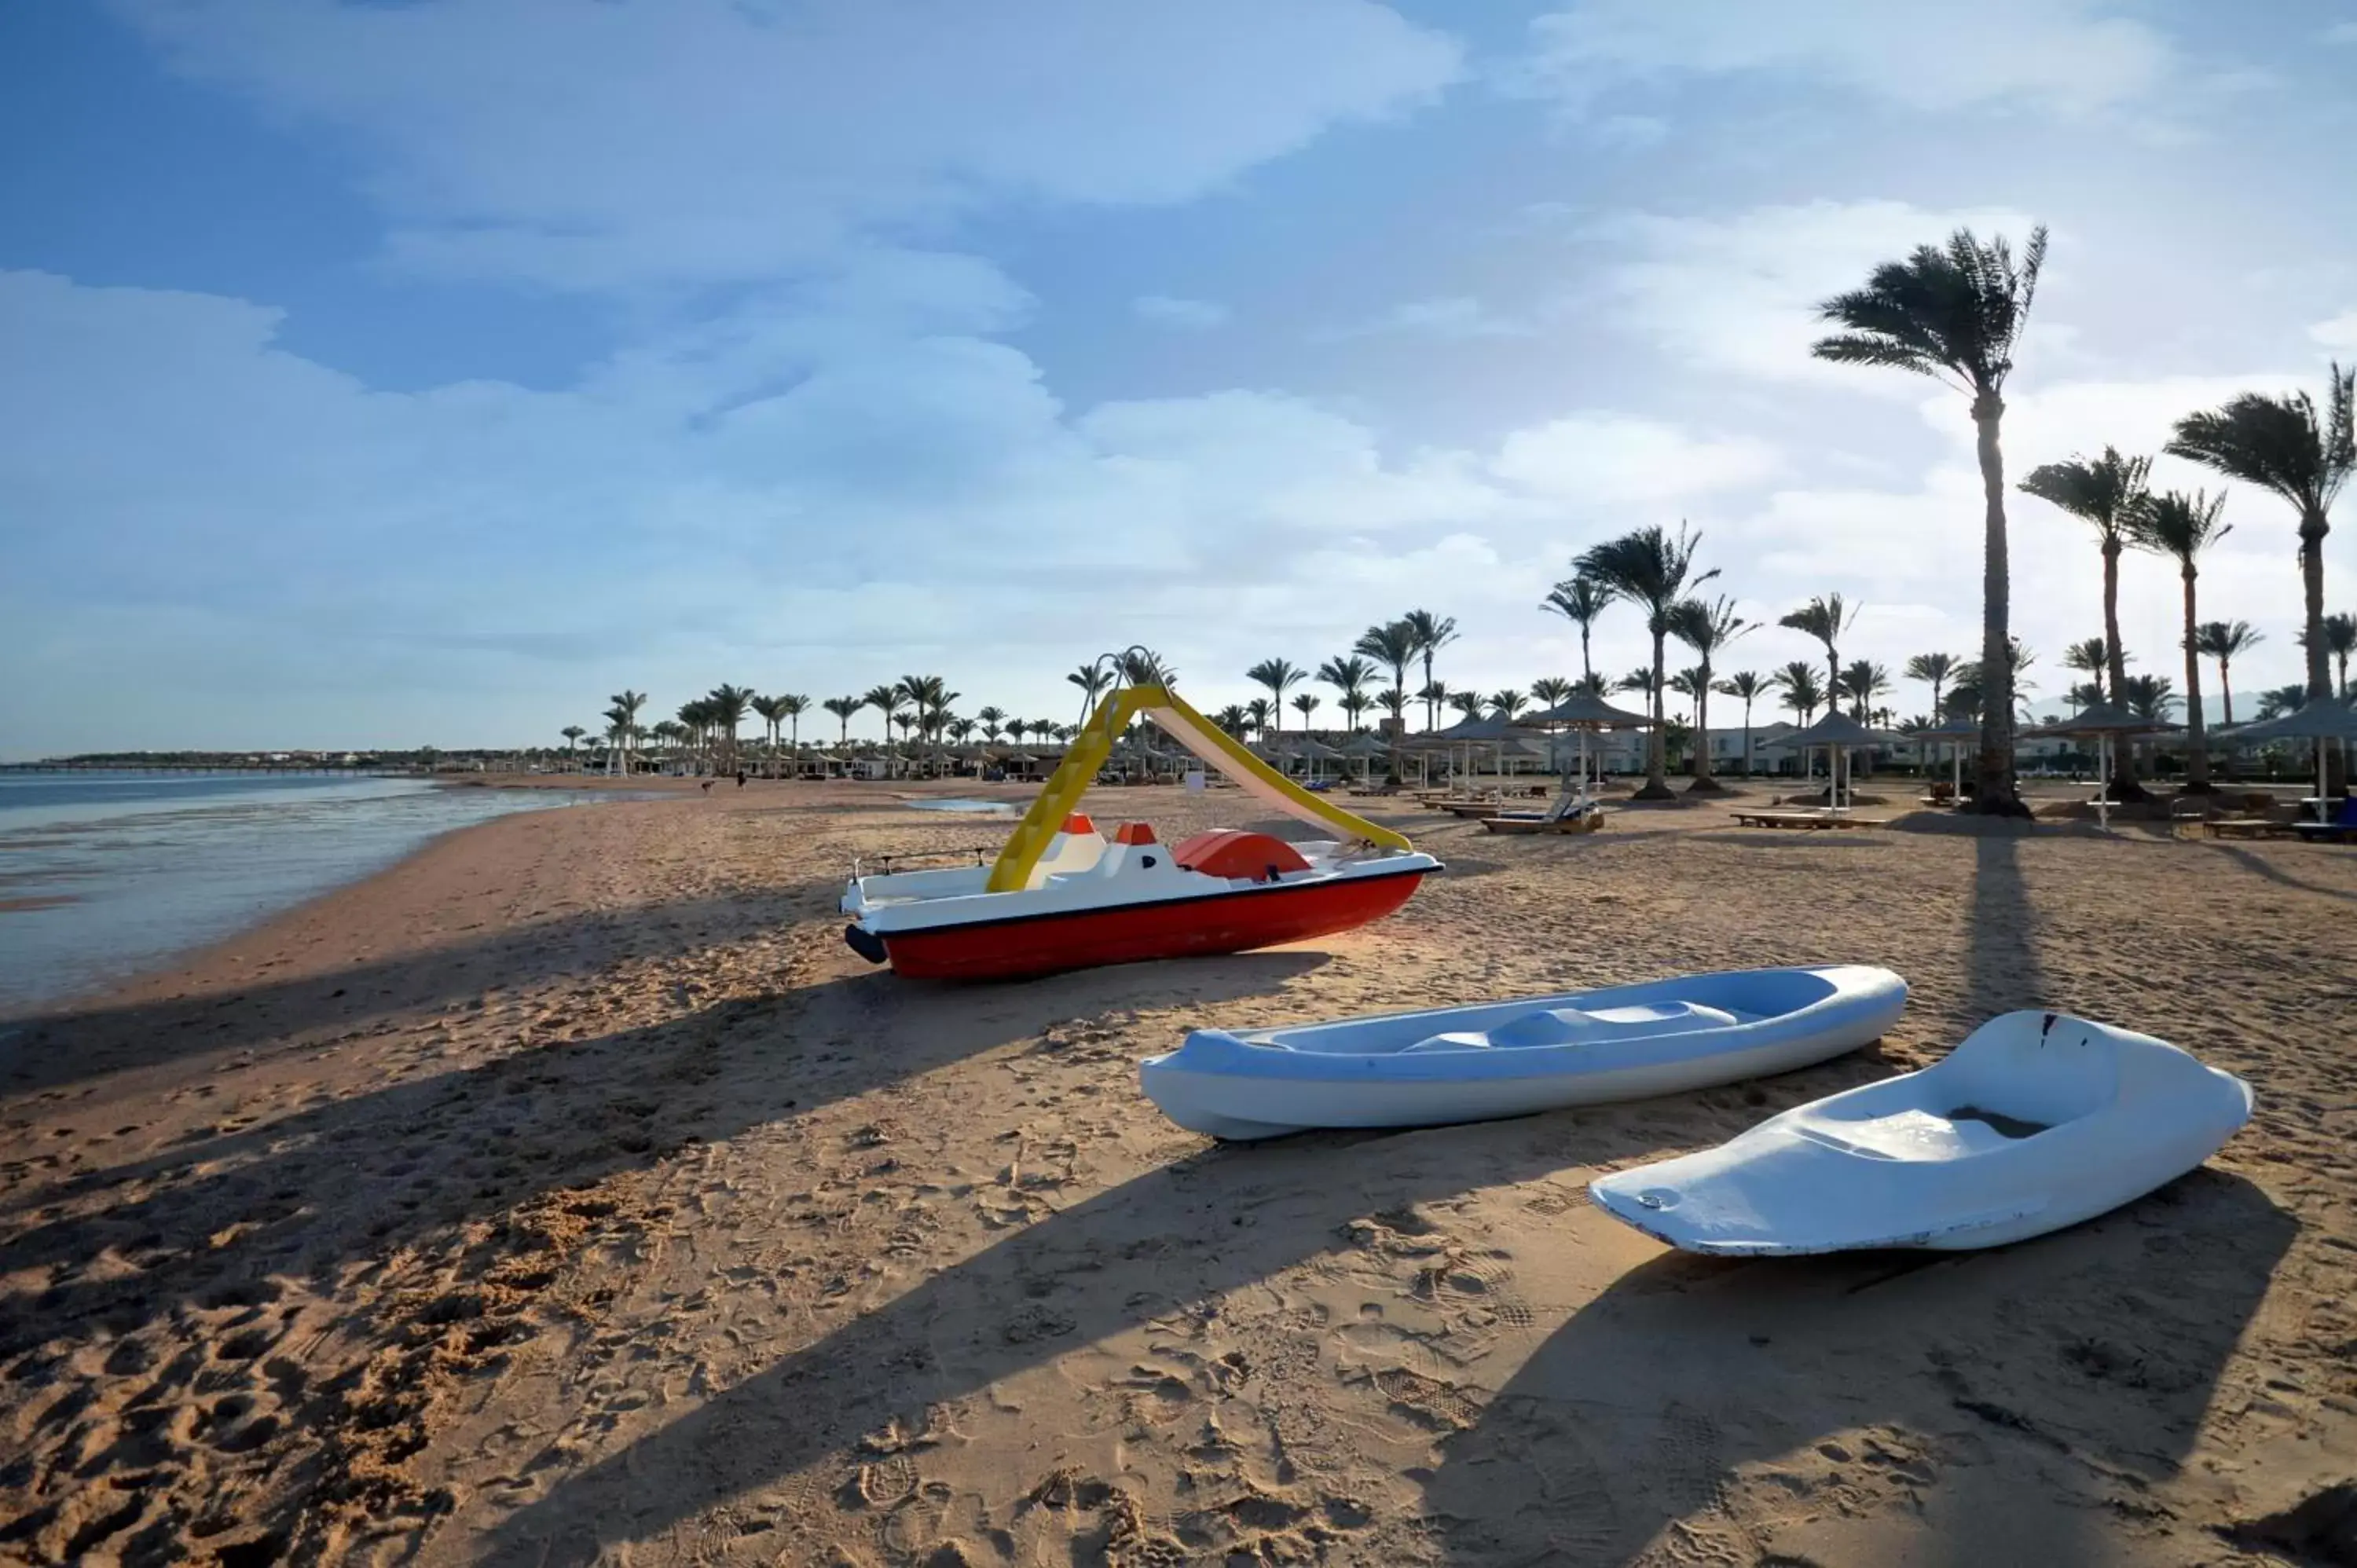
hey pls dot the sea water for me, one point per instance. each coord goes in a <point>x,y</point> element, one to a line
<point>102,874</point>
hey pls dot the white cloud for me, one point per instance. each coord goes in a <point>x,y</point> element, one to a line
<point>1184,314</point>
<point>2341,32</point>
<point>694,140</point>
<point>2067,58</point>
<point>828,484</point>
<point>2340,332</point>
<point>1610,459</point>
<point>1741,293</point>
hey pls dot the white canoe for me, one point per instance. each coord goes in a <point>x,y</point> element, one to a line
<point>1512,1058</point>
<point>2038,1121</point>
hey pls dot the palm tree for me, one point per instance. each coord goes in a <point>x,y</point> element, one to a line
<point>1589,685</point>
<point>1144,667</point>
<point>1279,675</point>
<point>1232,719</point>
<point>845,709</point>
<point>1705,625</point>
<point>573,733</point>
<point>994,721</point>
<point>1349,675</point>
<point>1651,568</point>
<point>1507,703</point>
<point>1549,690</point>
<point>766,708</point>
<point>1934,670</point>
<point>1747,684</point>
<point>1258,711</point>
<point>1394,646</point>
<point>725,705</point>
<point>1825,617</point>
<point>1092,679</point>
<point>2105,493</point>
<point>1798,682</point>
<point>2094,657</point>
<point>1431,633</point>
<point>628,703</point>
<point>1957,315</point>
<point>886,700</point>
<point>2280,444</point>
<point>2227,641</point>
<point>2341,641</point>
<point>1306,703</point>
<point>2277,701</point>
<point>1966,694</point>
<point>1468,704</point>
<point>1432,695</point>
<point>2183,526</point>
<point>791,707</point>
<point>2151,697</point>
<point>1580,599</point>
<point>1862,682</point>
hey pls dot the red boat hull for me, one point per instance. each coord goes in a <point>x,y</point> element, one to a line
<point>1175,928</point>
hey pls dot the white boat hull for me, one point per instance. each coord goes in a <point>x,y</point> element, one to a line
<point>2038,1121</point>
<point>1514,1059</point>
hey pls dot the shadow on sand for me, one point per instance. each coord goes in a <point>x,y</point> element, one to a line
<point>2001,1402</point>
<point>2001,968</point>
<point>1171,1238</point>
<point>69,1044</point>
<point>373,1174</point>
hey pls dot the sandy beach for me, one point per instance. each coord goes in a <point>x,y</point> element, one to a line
<point>569,1193</point>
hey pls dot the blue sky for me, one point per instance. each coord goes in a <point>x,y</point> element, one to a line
<point>420,372</point>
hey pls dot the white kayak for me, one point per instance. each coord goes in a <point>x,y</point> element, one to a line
<point>2038,1121</point>
<point>1512,1058</point>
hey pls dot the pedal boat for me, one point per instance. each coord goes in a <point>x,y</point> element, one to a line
<point>1060,895</point>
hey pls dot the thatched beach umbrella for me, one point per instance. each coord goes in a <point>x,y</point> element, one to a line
<point>1958,733</point>
<point>2106,722</point>
<point>1836,732</point>
<point>1587,715</point>
<point>2322,720</point>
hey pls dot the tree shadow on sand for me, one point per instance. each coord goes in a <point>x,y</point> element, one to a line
<point>2001,969</point>
<point>2002,1406</point>
<point>1165,1241</point>
<point>69,1044</point>
<point>373,1174</point>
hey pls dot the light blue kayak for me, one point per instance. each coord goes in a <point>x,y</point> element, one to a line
<point>1512,1058</point>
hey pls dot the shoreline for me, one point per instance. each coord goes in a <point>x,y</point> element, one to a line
<point>569,1184</point>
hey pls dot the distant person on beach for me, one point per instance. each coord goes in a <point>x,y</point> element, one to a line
<point>740,779</point>
<point>707,786</point>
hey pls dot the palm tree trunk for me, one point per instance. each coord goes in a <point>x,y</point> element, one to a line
<point>2124,759</point>
<point>2197,739</point>
<point>2313,527</point>
<point>1998,795</point>
<point>1657,747</point>
<point>1701,778</point>
<point>1587,669</point>
<point>1746,737</point>
<point>2226,689</point>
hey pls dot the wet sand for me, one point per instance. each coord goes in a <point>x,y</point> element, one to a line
<point>570,1193</point>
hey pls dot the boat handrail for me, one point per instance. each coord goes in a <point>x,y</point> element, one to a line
<point>978,851</point>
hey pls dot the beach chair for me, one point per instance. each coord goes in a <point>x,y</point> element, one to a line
<point>2188,817</point>
<point>2340,829</point>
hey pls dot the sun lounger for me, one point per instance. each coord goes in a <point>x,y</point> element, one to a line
<point>1800,819</point>
<point>2247,828</point>
<point>1580,822</point>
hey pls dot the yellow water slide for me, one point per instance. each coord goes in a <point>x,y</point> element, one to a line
<point>1219,749</point>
